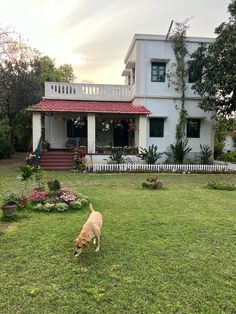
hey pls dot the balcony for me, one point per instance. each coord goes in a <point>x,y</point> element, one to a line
<point>95,92</point>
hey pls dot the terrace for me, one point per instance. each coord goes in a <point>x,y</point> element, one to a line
<point>98,92</point>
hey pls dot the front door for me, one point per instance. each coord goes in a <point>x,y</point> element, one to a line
<point>121,134</point>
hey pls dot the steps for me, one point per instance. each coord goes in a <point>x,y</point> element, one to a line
<point>56,160</point>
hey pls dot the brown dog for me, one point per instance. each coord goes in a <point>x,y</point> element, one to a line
<point>91,231</point>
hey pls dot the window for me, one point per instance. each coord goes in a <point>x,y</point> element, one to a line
<point>158,72</point>
<point>193,128</point>
<point>194,74</point>
<point>74,131</point>
<point>156,127</point>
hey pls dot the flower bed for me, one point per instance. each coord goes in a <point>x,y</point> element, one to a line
<point>60,199</point>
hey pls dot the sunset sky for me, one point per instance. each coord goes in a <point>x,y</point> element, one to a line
<point>94,35</point>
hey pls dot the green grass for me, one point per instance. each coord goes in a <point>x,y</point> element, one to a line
<point>163,251</point>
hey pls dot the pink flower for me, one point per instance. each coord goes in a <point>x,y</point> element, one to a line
<point>38,196</point>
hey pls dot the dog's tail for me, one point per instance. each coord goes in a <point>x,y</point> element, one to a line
<point>91,207</point>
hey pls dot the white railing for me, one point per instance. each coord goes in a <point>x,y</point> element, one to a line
<point>55,90</point>
<point>159,168</point>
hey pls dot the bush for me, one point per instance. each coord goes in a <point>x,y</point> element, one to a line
<point>180,150</point>
<point>54,185</point>
<point>152,183</point>
<point>220,185</point>
<point>205,154</point>
<point>229,157</point>
<point>151,155</point>
<point>5,148</point>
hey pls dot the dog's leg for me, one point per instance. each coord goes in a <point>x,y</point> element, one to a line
<point>98,243</point>
<point>94,240</point>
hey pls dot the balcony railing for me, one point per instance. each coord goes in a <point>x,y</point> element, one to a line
<point>55,90</point>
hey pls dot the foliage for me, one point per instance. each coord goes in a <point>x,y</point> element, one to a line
<point>45,144</point>
<point>180,150</point>
<point>229,157</point>
<point>26,173</point>
<point>223,126</point>
<point>150,155</point>
<point>217,63</point>
<point>5,149</point>
<point>177,77</point>
<point>205,154</point>
<point>59,200</point>
<point>220,185</point>
<point>79,158</point>
<point>153,183</point>
<point>11,199</point>
<point>23,72</point>
<point>54,185</point>
<point>31,159</point>
<point>38,195</point>
<point>117,157</point>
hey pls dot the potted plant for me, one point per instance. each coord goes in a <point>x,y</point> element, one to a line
<point>10,205</point>
<point>45,145</point>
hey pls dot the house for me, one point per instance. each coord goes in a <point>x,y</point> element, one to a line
<point>142,112</point>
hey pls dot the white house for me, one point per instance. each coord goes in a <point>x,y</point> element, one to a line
<point>140,113</point>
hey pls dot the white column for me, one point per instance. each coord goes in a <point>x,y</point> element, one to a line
<point>91,133</point>
<point>142,128</point>
<point>37,129</point>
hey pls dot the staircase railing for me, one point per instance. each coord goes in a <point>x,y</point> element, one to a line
<point>38,151</point>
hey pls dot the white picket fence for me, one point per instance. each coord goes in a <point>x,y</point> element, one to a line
<point>159,168</point>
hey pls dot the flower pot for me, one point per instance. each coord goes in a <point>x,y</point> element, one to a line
<point>9,210</point>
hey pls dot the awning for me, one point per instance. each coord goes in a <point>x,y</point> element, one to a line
<point>47,105</point>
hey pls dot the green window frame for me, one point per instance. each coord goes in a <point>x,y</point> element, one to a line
<point>158,72</point>
<point>156,127</point>
<point>193,128</point>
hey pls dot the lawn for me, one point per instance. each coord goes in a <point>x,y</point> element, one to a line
<point>167,251</point>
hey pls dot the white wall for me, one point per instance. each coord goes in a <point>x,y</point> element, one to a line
<point>162,100</point>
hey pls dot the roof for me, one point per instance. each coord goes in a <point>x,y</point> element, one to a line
<point>47,105</point>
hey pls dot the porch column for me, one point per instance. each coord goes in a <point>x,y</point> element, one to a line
<point>91,132</point>
<point>37,129</point>
<point>142,131</point>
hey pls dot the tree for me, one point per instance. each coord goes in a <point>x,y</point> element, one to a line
<point>217,61</point>
<point>23,71</point>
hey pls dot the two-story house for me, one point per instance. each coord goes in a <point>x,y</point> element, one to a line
<point>140,113</point>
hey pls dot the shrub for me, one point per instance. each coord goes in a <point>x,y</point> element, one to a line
<point>205,154</point>
<point>150,155</point>
<point>5,148</point>
<point>66,195</point>
<point>54,185</point>
<point>180,150</point>
<point>152,183</point>
<point>38,196</point>
<point>229,157</point>
<point>220,185</point>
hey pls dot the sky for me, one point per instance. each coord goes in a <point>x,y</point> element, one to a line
<point>94,35</point>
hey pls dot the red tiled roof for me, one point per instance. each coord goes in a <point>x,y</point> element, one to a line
<point>48,105</point>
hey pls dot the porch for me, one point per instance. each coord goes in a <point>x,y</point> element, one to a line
<point>94,125</point>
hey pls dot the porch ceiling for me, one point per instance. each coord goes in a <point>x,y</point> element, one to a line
<point>88,106</point>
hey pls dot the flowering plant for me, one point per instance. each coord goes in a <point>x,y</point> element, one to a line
<point>38,196</point>
<point>67,195</point>
<point>32,159</point>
